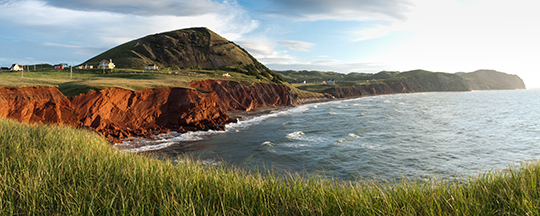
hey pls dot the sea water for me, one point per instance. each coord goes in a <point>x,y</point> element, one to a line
<point>442,135</point>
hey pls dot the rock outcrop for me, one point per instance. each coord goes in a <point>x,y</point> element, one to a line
<point>233,96</point>
<point>36,105</point>
<point>118,113</point>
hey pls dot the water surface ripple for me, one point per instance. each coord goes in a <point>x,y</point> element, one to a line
<point>417,136</point>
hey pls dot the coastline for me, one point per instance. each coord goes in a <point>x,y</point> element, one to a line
<point>233,115</point>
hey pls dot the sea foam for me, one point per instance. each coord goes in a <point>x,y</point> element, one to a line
<point>136,145</point>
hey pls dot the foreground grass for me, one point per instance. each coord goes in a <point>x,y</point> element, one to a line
<point>66,171</point>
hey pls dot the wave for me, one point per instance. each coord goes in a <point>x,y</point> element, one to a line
<point>301,136</point>
<point>137,145</point>
<point>146,148</point>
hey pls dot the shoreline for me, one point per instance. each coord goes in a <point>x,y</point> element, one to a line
<point>233,115</point>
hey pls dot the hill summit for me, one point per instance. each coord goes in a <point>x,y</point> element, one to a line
<point>193,48</point>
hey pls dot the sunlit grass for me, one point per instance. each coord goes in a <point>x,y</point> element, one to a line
<point>82,81</point>
<point>56,170</point>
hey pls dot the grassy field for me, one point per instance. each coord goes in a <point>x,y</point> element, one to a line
<point>82,81</point>
<point>323,88</point>
<point>56,170</point>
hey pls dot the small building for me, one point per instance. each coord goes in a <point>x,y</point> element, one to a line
<point>331,82</point>
<point>86,66</point>
<point>151,67</point>
<point>4,69</point>
<point>16,67</point>
<point>106,64</point>
<point>58,67</point>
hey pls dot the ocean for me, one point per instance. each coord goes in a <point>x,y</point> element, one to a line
<point>420,136</point>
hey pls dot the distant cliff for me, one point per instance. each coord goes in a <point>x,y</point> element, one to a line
<point>407,83</point>
<point>492,80</point>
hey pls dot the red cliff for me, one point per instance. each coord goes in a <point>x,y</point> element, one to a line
<point>233,96</point>
<point>118,113</point>
<point>36,105</point>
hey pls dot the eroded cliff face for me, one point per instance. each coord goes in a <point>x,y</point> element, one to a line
<point>233,96</point>
<point>432,82</point>
<point>36,105</point>
<point>119,113</point>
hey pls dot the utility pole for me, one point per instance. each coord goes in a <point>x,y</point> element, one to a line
<point>71,71</point>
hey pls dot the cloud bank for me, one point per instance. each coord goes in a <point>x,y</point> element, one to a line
<point>341,9</point>
<point>142,7</point>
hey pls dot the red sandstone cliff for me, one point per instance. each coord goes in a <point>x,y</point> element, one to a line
<point>233,96</point>
<point>118,113</point>
<point>36,105</point>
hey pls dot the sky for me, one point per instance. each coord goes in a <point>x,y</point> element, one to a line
<point>339,35</point>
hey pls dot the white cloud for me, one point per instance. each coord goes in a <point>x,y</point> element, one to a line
<point>326,61</point>
<point>297,45</point>
<point>143,7</point>
<point>60,45</point>
<point>257,47</point>
<point>36,20</point>
<point>360,10</point>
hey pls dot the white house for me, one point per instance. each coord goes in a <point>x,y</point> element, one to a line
<point>151,67</point>
<point>330,82</point>
<point>16,67</point>
<point>106,64</point>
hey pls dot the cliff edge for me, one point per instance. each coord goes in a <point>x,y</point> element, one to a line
<point>118,113</point>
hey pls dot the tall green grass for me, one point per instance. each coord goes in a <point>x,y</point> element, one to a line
<point>56,170</point>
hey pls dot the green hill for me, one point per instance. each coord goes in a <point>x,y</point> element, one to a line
<point>193,48</point>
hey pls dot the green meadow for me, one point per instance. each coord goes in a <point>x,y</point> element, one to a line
<point>83,81</point>
<point>57,170</point>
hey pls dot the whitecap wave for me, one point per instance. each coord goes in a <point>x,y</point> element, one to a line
<point>301,136</point>
<point>349,138</point>
<point>296,135</point>
<point>162,141</point>
<point>146,148</point>
<point>290,145</point>
<point>267,143</point>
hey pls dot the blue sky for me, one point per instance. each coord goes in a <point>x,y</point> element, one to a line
<point>338,35</point>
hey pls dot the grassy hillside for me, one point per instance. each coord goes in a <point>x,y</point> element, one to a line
<point>54,170</point>
<point>316,77</point>
<point>194,48</point>
<point>490,79</point>
<point>428,80</point>
<point>83,81</point>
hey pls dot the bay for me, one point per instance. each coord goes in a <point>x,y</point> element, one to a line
<point>442,135</point>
